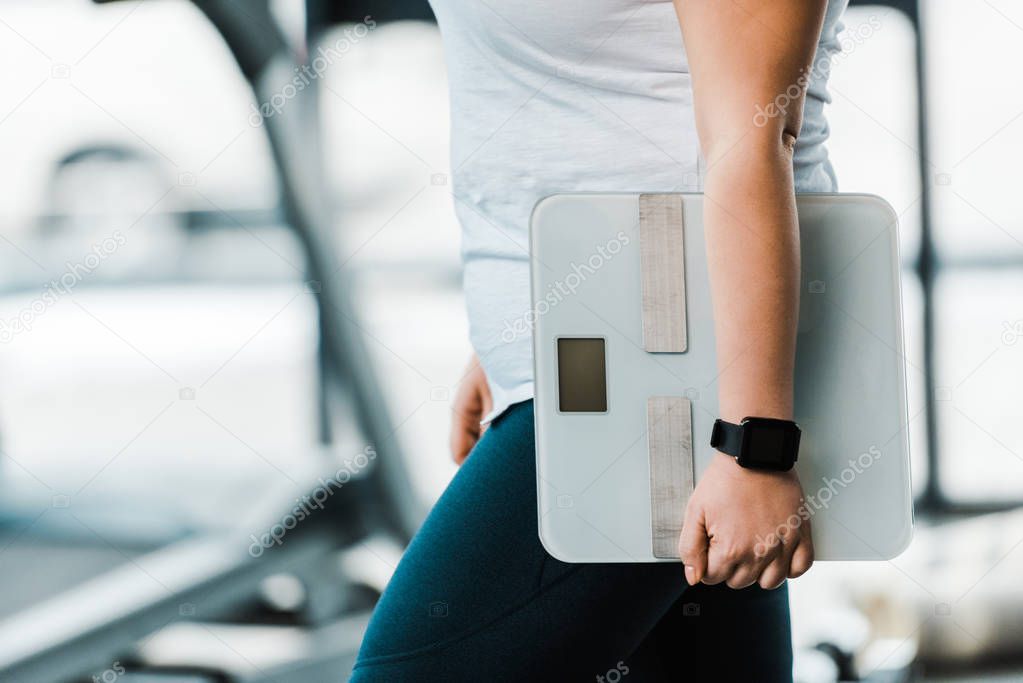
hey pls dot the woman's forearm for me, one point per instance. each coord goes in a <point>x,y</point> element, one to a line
<point>744,56</point>
<point>753,259</point>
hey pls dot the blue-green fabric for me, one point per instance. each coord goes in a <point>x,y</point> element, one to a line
<point>476,598</point>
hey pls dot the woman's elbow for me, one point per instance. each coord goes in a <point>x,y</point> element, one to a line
<point>750,144</point>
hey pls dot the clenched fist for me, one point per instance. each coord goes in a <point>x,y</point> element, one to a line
<point>745,526</point>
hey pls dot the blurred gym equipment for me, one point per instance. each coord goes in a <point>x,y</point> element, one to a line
<point>305,595</point>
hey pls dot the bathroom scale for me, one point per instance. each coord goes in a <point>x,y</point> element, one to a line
<point>626,374</point>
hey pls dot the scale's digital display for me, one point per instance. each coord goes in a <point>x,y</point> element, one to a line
<point>582,375</point>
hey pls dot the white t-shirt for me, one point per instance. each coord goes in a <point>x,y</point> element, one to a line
<point>573,95</point>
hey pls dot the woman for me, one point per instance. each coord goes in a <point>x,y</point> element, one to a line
<point>723,97</point>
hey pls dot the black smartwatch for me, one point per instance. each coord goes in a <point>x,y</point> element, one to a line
<point>760,443</point>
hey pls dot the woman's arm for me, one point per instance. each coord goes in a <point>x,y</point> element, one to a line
<point>743,55</point>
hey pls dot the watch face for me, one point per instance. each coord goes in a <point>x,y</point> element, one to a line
<point>769,444</point>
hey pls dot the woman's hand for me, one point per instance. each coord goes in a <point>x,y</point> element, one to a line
<point>745,526</point>
<point>472,403</point>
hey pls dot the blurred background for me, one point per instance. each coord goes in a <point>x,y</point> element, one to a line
<point>212,311</point>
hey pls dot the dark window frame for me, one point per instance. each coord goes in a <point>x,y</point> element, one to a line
<point>933,499</point>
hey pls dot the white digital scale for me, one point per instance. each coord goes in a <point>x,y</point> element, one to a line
<point>625,371</point>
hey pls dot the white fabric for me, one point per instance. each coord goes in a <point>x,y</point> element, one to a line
<point>573,95</point>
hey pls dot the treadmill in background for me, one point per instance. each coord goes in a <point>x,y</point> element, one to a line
<point>206,617</point>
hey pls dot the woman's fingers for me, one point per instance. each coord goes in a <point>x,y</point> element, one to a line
<point>774,574</point>
<point>465,424</point>
<point>693,544</point>
<point>723,561</point>
<point>802,557</point>
<point>789,555</point>
<point>777,548</point>
<point>744,575</point>
<point>464,434</point>
<point>752,568</point>
<point>472,403</point>
<point>486,400</point>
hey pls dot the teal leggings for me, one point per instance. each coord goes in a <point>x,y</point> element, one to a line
<point>476,598</point>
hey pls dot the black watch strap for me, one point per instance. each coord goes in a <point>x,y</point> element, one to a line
<point>759,443</point>
<point>726,437</point>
